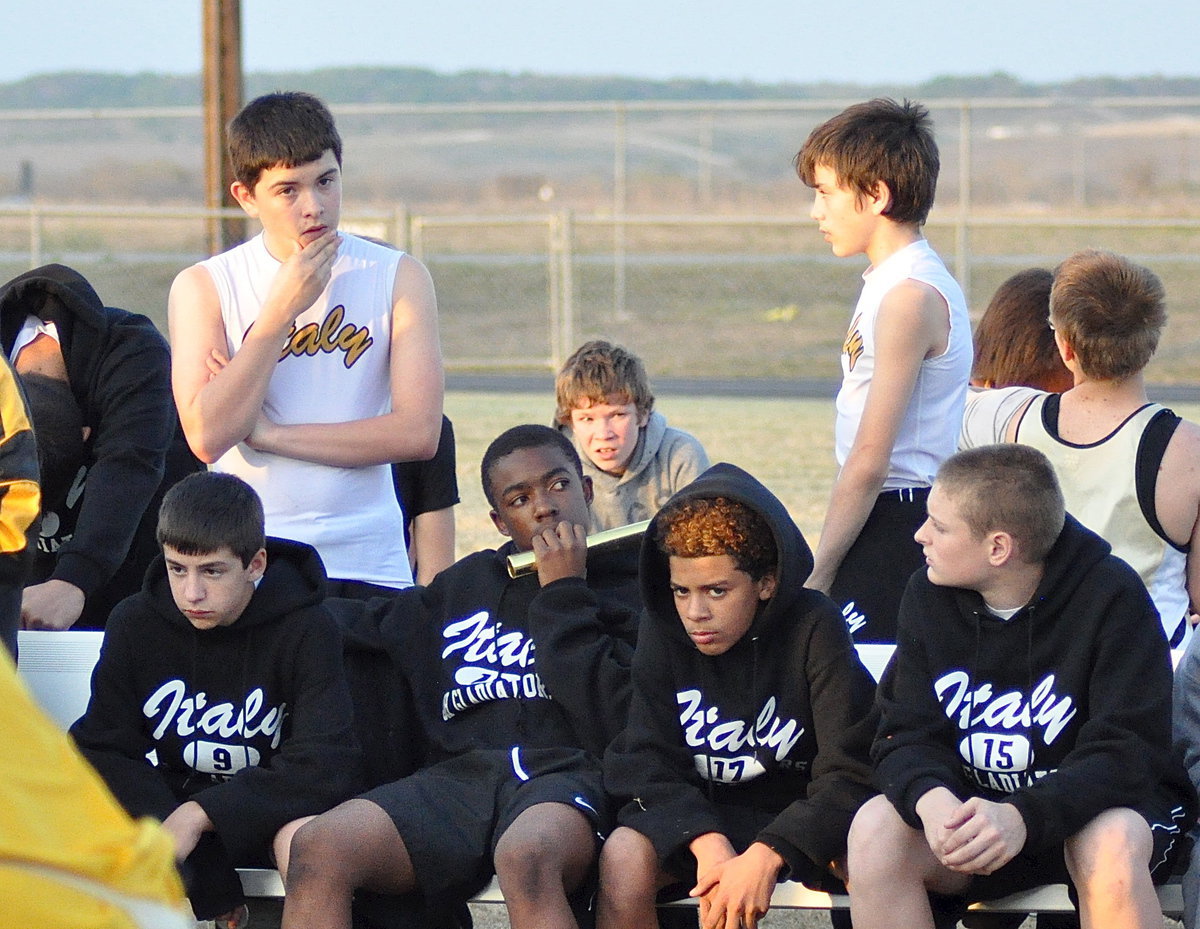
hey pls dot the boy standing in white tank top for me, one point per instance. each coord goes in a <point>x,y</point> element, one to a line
<point>905,362</point>
<point>305,360</point>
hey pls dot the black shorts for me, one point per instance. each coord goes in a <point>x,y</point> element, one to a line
<point>452,814</point>
<point>1049,866</point>
<point>871,578</point>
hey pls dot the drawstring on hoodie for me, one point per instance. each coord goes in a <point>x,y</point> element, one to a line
<point>972,684</point>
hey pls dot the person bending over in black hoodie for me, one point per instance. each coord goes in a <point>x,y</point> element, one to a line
<point>745,756</point>
<point>229,668</point>
<point>1026,714</point>
<point>517,686</point>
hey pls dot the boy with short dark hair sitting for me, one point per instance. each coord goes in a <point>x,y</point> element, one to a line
<point>745,756</point>
<point>1025,734</point>
<point>634,459</point>
<point>517,684</point>
<point>227,666</point>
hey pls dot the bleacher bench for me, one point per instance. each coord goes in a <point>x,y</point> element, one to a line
<point>57,666</point>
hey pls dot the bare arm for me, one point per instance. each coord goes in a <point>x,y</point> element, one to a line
<point>410,431</point>
<point>912,325</point>
<point>1177,499</point>
<point>218,410</point>
<point>433,543</point>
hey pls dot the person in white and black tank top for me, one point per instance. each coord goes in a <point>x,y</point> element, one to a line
<point>305,360</point>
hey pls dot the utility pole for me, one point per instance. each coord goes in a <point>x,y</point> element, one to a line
<point>222,100</point>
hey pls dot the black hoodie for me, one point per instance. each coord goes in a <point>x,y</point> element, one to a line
<point>264,698</point>
<point>1064,710</point>
<point>781,722</point>
<point>119,370</point>
<point>490,662</point>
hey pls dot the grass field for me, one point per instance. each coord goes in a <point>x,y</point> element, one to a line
<point>720,301</point>
<point>787,444</point>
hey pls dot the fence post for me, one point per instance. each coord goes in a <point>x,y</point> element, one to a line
<point>566,257</point>
<point>399,235</point>
<point>962,238</point>
<point>35,237</point>
<point>620,154</point>
<point>554,286</point>
<point>417,238</point>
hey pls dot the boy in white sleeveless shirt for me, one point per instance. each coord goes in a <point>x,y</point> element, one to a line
<point>905,362</point>
<point>306,360</point>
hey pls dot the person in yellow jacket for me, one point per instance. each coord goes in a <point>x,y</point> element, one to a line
<point>69,855</point>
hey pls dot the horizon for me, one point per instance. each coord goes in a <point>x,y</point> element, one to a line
<point>765,42</point>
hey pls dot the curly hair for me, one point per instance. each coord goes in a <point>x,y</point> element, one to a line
<point>699,526</point>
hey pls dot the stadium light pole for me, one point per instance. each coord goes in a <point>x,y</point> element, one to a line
<point>222,100</point>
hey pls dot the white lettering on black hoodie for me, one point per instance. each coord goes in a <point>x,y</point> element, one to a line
<point>490,662</point>
<point>252,720</point>
<point>1064,710</point>
<point>781,722</point>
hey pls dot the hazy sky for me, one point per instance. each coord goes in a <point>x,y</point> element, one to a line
<point>765,40</point>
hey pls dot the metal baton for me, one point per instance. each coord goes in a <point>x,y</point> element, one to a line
<point>526,562</point>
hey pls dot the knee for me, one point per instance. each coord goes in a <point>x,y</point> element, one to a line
<point>527,860</point>
<point>628,866</point>
<point>319,847</point>
<point>878,842</point>
<point>1110,853</point>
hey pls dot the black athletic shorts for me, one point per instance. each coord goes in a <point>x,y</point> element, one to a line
<point>871,578</point>
<point>1049,866</point>
<point>452,814</point>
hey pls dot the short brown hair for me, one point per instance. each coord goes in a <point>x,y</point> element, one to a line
<point>879,140</point>
<point>699,526</point>
<point>596,371</point>
<point>211,510</point>
<point>1008,488</point>
<point>1111,312</point>
<point>280,129</point>
<point>1014,344</point>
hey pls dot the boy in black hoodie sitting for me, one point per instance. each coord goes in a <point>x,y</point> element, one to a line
<point>745,756</point>
<point>1026,730</point>
<point>229,668</point>
<point>517,685</point>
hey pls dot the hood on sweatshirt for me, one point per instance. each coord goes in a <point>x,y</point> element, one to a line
<point>794,557</point>
<point>295,578</point>
<point>63,296</point>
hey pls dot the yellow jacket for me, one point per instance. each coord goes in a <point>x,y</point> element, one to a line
<point>69,855</point>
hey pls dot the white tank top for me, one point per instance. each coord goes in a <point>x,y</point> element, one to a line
<point>929,431</point>
<point>333,368</point>
<point>1099,484</point>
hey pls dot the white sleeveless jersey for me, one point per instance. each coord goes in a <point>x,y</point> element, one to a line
<point>1099,485</point>
<point>334,367</point>
<point>928,433</point>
